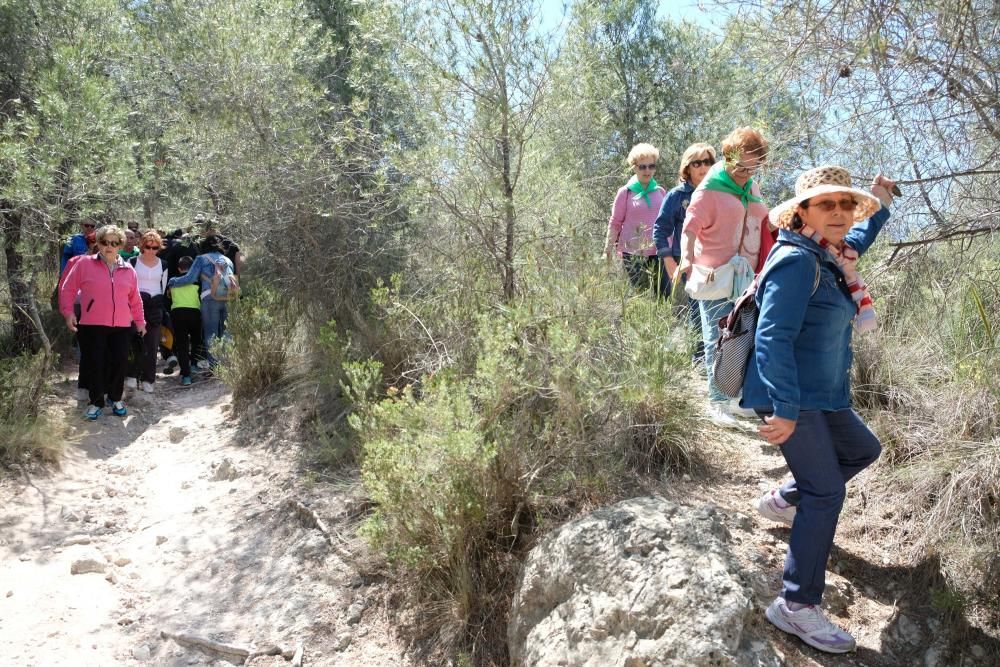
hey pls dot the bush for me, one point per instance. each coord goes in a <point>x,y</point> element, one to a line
<point>25,430</point>
<point>254,355</point>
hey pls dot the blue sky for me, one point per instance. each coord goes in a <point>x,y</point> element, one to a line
<point>552,12</point>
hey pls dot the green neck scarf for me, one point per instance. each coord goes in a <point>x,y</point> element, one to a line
<point>635,186</point>
<point>718,179</point>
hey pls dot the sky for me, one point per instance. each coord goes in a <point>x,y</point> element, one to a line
<point>553,11</point>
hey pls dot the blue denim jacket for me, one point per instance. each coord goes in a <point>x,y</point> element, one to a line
<point>670,221</point>
<point>201,271</point>
<point>802,356</point>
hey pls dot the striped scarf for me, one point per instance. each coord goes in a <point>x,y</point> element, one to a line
<point>847,259</point>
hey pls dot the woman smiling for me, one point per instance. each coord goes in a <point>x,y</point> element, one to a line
<point>109,304</point>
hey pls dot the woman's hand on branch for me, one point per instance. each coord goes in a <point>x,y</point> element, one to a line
<point>884,188</point>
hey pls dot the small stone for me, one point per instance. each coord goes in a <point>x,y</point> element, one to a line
<point>160,539</point>
<point>90,562</point>
<point>177,434</point>
<point>96,495</point>
<point>10,594</point>
<point>343,641</point>
<point>354,613</point>
<point>76,539</point>
<point>186,485</point>
<point>111,492</point>
<point>24,558</point>
<point>128,619</point>
<point>121,469</point>
<point>88,518</point>
<point>111,578</point>
<point>199,509</point>
<point>68,515</point>
<point>141,653</point>
<point>226,471</point>
<point>121,561</point>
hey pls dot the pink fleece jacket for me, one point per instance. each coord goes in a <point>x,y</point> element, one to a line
<point>715,219</point>
<point>108,298</point>
<point>631,223</point>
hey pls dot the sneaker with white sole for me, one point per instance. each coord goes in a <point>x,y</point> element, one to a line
<point>743,413</point>
<point>119,409</point>
<point>810,625</point>
<point>171,365</point>
<point>93,412</point>
<point>772,506</point>
<point>131,383</point>
<point>147,387</point>
<point>718,412</point>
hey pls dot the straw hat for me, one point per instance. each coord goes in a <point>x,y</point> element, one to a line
<point>821,181</point>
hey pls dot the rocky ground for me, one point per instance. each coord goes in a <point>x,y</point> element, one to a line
<point>178,524</point>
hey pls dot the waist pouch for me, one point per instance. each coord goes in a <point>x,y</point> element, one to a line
<point>152,306</point>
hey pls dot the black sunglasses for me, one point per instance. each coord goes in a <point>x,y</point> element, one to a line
<point>645,166</point>
<point>707,162</point>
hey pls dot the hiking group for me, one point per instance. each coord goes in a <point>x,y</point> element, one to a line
<point>131,296</point>
<point>714,235</point>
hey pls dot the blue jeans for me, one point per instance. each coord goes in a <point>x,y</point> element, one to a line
<point>213,322</point>
<point>711,312</point>
<point>826,450</point>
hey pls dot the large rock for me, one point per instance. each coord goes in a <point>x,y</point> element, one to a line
<point>642,583</point>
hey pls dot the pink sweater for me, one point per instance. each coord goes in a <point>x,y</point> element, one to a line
<point>715,220</point>
<point>630,226</point>
<point>107,298</point>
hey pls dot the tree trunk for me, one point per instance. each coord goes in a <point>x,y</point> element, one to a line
<point>22,328</point>
<point>508,209</point>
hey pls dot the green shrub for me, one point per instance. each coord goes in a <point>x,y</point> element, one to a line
<point>254,355</point>
<point>26,431</point>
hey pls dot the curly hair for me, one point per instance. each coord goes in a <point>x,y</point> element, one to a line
<point>640,151</point>
<point>744,140</point>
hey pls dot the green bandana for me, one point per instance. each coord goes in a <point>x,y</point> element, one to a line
<point>718,179</point>
<point>635,186</point>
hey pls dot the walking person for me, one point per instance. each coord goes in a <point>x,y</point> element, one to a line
<point>811,298</point>
<point>185,314</point>
<point>151,274</point>
<point>721,242</point>
<point>109,304</point>
<point>695,163</point>
<point>82,393</point>
<point>630,227</point>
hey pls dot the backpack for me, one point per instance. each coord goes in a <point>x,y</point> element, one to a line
<point>225,284</point>
<point>735,346</point>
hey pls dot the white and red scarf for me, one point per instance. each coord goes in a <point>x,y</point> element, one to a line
<point>847,259</point>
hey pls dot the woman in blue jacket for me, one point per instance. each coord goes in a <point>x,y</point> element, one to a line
<point>810,298</point>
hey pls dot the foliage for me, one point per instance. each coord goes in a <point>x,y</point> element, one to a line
<point>254,356</point>
<point>26,432</point>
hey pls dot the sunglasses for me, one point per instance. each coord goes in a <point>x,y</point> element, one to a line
<point>707,162</point>
<point>150,247</point>
<point>109,244</point>
<point>88,225</point>
<point>643,167</point>
<point>828,206</point>
<point>748,168</point>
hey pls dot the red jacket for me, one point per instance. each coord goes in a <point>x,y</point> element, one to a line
<point>767,239</point>
<point>108,298</point>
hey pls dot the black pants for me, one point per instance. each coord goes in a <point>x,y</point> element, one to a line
<point>103,360</point>
<point>187,337</point>
<point>143,354</point>
<point>647,273</point>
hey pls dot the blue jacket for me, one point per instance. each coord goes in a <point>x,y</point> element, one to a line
<point>670,221</point>
<point>77,245</point>
<point>203,268</point>
<point>802,356</point>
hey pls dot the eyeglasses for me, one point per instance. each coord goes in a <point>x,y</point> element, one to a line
<point>110,244</point>
<point>827,206</point>
<point>150,247</point>
<point>644,167</point>
<point>748,168</point>
<point>88,225</point>
<point>707,162</point>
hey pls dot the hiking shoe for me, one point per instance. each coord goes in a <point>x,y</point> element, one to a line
<point>810,625</point>
<point>772,506</point>
<point>119,409</point>
<point>131,383</point>
<point>186,381</point>
<point>147,387</point>
<point>718,412</point>
<point>171,365</point>
<point>203,365</point>
<point>93,412</point>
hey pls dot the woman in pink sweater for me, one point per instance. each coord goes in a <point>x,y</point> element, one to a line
<point>630,227</point>
<point>722,230</point>
<point>109,303</point>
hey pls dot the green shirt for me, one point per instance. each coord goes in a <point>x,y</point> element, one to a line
<point>185,297</point>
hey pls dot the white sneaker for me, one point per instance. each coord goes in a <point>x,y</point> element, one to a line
<point>131,383</point>
<point>810,625</point>
<point>718,412</point>
<point>772,506</point>
<point>743,413</point>
<point>147,387</point>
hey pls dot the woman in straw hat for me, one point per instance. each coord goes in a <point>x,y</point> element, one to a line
<point>810,298</point>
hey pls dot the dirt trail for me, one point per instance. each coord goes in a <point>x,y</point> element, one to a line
<point>191,523</point>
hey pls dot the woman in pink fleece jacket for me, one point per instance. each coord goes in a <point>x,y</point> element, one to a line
<point>724,220</point>
<point>630,227</point>
<point>109,303</point>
